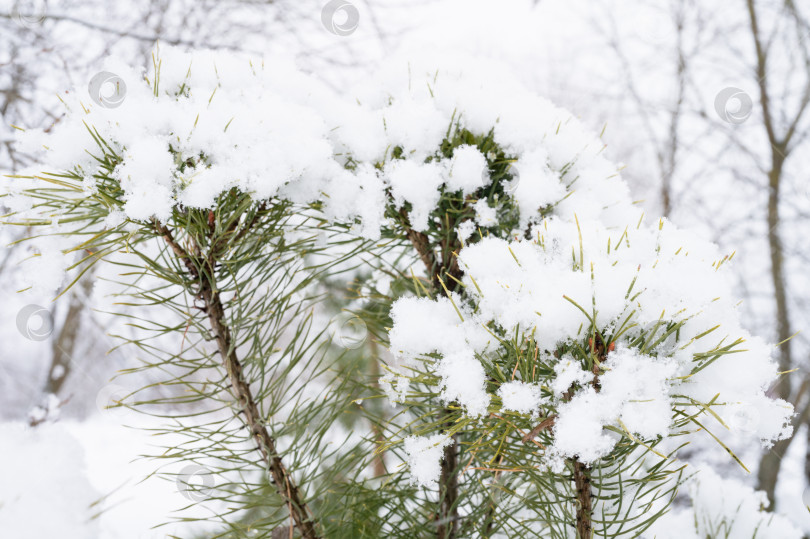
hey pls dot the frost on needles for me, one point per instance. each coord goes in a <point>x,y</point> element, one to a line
<point>550,331</point>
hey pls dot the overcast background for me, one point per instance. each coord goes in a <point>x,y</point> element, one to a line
<point>713,133</point>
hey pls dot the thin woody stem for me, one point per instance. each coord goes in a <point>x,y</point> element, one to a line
<point>448,510</point>
<point>547,423</point>
<point>447,517</point>
<point>582,479</point>
<point>582,483</point>
<point>245,402</point>
<point>379,436</point>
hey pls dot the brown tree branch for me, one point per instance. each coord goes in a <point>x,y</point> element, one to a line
<point>246,403</point>
<point>547,423</point>
<point>582,482</point>
<point>447,517</point>
<point>285,485</point>
<point>421,243</point>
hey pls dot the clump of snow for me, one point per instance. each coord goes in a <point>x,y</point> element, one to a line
<point>578,430</point>
<point>634,396</point>
<point>45,268</point>
<point>465,230</point>
<point>417,183</point>
<point>568,372</point>
<point>216,123</point>
<point>464,380</point>
<point>559,161</point>
<point>421,327</point>
<point>485,215</point>
<point>425,457</point>
<point>636,275</point>
<point>467,170</point>
<point>521,397</point>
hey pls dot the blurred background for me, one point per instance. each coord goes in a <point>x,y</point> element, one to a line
<point>704,102</point>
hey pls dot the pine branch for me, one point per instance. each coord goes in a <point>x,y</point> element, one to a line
<point>582,481</point>
<point>247,405</point>
<point>447,517</point>
<point>376,429</point>
<point>285,485</point>
<point>547,423</point>
<point>421,243</point>
<point>447,522</point>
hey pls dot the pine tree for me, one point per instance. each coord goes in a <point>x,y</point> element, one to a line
<point>547,351</point>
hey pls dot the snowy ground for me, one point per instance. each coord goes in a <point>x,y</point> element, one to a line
<point>81,480</point>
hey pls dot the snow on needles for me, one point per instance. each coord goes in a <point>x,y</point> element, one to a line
<point>723,508</point>
<point>211,124</point>
<point>578,260</point>
<point>425,457</point>
<point>207,123</point>
<point>634,283</point>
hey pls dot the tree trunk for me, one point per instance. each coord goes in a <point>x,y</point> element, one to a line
<point>63,346</point>
<point>771,461</point>
<point>783,330</point>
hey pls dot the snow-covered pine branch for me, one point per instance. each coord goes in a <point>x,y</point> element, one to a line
<point>551,336</point>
